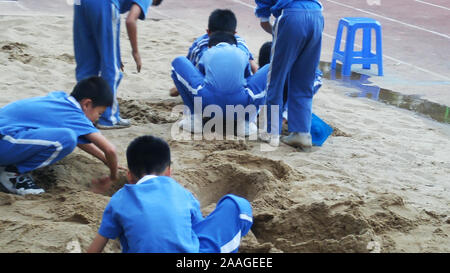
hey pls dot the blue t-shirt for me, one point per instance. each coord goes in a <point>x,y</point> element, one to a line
<point>264,8</point>
<point>56,110</point>
<point>224,67</point>
<point>125,6</point>
<point>155,215</point>
<point>200,45</point>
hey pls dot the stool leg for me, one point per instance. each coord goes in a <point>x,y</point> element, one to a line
<point>348,54</point>
<point>337,45</point>
<point>379,51</point>
<point>367,45</point>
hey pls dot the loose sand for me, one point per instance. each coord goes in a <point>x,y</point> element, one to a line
<point>379,184</point>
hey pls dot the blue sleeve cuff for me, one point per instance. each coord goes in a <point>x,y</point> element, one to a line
<point>144,5</point>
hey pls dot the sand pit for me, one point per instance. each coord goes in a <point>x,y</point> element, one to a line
<point>379,184</point>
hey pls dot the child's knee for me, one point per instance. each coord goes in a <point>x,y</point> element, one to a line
<point>179,60</point>
<point>242,209</point>
<point>68,140</point>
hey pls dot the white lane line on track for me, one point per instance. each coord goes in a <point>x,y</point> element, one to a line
<point>446,78</point>
<point>392,19</point>
<point>359,46</point>
<point>431,4</point>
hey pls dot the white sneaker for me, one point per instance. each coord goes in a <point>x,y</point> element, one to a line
<point>192,124</point>
<point>273,140</point>
<point>22,184</point>
<point>250,128</point>
<point>299,140</point>
<point>121,123</point>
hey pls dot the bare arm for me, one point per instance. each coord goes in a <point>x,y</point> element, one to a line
<point>254,67</point>
<point>94,151</point>
<point>266,26</point>
<point>109,152</point>
<point>131,22</point>
<point>98,244</point>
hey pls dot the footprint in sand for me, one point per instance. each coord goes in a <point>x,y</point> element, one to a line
<point>16,51</point>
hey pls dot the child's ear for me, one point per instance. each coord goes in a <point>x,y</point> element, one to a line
<point>168,171</point>
<point>85,103</point>
<point>130,177</point>
<point>208,31</point>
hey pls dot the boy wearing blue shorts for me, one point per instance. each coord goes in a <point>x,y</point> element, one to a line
<point>297,38</point>
<point>39,131</point>
<point>155,214</point>
<point>219,80</point>
<point>96,33</point>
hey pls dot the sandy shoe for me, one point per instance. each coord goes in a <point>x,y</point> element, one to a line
<point>298,140</point>
<point>250,128</point>
<point>22,184</point>
<point>273,140</point>
<point>122,123</point>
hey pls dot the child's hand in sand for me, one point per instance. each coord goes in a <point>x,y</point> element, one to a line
<point>101,185</point>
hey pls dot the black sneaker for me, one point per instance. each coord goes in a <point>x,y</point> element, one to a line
<point>14,182</point>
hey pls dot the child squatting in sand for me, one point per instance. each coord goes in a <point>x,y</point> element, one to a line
<point>220,80</point>
<point>153,213</point>
<point>40,131</point>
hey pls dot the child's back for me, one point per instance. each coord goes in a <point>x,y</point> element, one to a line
<point>224,68</point>
<point>156,215</point>
<point>56,110</point>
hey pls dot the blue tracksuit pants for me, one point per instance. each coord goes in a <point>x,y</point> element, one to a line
<point>36,148</point>
<point>190,83</point>
<point>96,32</point>
<point>221,231</point>
<point>294,59</point>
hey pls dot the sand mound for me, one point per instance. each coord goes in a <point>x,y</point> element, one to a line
<point>256,178</point>
<point>379,183</point>
<point>146,111</point>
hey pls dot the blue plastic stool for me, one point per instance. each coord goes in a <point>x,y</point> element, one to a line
<point>365,56</point>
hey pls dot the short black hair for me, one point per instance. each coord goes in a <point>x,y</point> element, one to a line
<point>222,20</point>
<point>156,2</point>
<point>220,37</point>
<point>264,54</point>
<point>148,155</point>
<point>94,88</point>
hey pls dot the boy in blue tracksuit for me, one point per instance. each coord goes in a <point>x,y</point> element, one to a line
<point>297,38</point>
<point>96,33</point>
<point>37,132</point>
<point>220,80</point>
<point>155,214</point>
<point>219,20</point>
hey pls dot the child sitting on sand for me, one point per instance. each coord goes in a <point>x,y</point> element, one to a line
<point>219,80</point>
<point>153,213</point>
<point>37,132</point>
